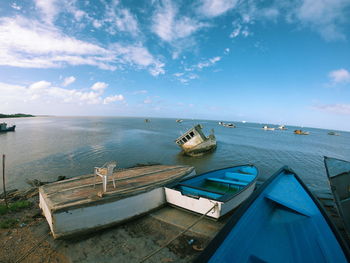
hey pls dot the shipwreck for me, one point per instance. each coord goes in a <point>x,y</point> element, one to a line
<point>194,142</point>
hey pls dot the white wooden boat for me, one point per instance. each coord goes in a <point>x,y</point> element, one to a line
<point>74,206</point>
<point>227,188</point>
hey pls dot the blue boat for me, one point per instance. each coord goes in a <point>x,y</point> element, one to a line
<point>4,128</point>
<point>226,188</point>
<point>281,222</point>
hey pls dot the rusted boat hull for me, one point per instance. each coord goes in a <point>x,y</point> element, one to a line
<point>72,207</point>
<point>202,148</point>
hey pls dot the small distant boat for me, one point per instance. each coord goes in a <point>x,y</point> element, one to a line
<point>4,128</point>
<point>73,206</point>
<point>244,121</point>
<point>179,121</point>
<point>338,172</point>
<point>267,128</point>
<point>281,222</point>
<point>147,120</point>
<point>300,132</point>
<point>227,187</point>
<point>333,133</point>
<point>229,125</point>
<point>282,127</point>
<point>194,143</point>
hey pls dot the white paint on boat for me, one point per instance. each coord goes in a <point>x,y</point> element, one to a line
<point>80,219</point>
<point>201,204</point>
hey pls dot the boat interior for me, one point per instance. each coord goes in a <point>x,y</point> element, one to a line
<point>219,185</point>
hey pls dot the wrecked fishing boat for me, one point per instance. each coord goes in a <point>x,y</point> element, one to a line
<point>195,143</point>
<point>80,205</point>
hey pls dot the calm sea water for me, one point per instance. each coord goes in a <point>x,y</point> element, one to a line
<point>46,147</point>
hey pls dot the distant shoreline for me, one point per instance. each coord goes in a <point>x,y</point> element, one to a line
<point>17,115</point>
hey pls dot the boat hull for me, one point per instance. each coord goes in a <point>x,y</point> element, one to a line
<point>281,222</point>
<point>72,222</point>
<point>202,148</point>
<point>200,193</point>
<point>338,173</point>
<point>74,206</point>
<point>202,205</point>
<point>12,128</point>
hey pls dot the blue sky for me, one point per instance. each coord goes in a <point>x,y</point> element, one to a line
<point>279,62</point>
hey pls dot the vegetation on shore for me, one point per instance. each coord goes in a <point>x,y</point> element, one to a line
<point>9,221</point>
<point>16,115</point>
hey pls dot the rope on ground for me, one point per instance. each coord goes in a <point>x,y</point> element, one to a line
<point>182,232</point>
<point>33,248</point>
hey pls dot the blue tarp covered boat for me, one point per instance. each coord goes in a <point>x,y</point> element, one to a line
<point>226,188</point>
<point>280,222</point>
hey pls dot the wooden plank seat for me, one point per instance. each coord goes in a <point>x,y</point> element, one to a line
<point>230,182</point>
<point>199,191</point>
<point>240,177</point>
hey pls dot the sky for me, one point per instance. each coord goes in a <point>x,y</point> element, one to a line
<point>278,62</point>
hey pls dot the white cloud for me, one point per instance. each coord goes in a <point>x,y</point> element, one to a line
<point>113,98</point>
<point>40,85</point>
<point>48,8</point>
<point>324,16</point>
<point>208,63</point>
<point>178,74</point>
<point>213,8</point>
<point>139,56</point>
<point>67,81</point>
<point>343,109</point>
<point>29,44</point>
<point>99,86</point>
<point>118,19</point>
<point>43,90</point>
<point>327,17</point>
<point>339,76</point>
<point>16,6</point>
<point>169,26</point>
<point>235,32</point>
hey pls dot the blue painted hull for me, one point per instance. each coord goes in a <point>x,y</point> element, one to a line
<point>281,222</point>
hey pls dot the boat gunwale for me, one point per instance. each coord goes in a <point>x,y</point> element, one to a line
<point>224,232</point>
<point>226,197</point>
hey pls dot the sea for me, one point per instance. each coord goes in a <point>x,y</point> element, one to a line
<point>44,148</point>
